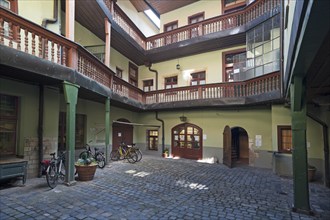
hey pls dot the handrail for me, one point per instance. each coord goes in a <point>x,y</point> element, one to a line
<point>21,34</point>
<point>208,26</point>
<point>256,86</point>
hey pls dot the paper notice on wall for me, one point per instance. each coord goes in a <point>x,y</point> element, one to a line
<point>258,141</point>
<point>204,137</point>
<point>119,134</point>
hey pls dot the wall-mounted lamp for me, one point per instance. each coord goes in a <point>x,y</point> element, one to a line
<point>178,67</point>
<point>183,118</point>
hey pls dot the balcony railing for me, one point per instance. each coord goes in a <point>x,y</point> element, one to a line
<point>209,26</point>
<point>23,35</point>
<point>256,86</point>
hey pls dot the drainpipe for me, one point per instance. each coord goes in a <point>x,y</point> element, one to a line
<point>326,149</point>
<point>53,20</point>
<point>156,72</point>
<point>40,127</point>
<point>163,131</point>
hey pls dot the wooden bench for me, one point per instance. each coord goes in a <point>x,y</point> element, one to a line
<point>12,168</point>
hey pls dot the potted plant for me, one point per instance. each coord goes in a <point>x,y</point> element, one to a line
<point>165,153</point>
<point>86,167</point>
<point>311,172</point>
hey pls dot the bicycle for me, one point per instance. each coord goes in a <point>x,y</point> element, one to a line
<point>138,152</point>
<point>97,155</point>
<point>55,170</point>
<point>124,152</point>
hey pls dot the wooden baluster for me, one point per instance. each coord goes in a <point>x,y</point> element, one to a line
<point>58,54</point>
<point>52,51</point>
<point>64,56</point>
<point>10,34</point>
<point>40,47</point>
<point>18,37</point>
<point>46,48</point>
<point>26,42</point>
<point>2,32</point>
<point>33,44</point>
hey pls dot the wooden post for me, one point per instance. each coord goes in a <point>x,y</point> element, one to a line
<point>71,97</point>
<point>107,25</point>
<point>299,154</point>
<point>72,60</point>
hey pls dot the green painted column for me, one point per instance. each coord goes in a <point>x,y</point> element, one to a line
<point>71,97</point>
<point>299,153</point>
<point>107,130</point>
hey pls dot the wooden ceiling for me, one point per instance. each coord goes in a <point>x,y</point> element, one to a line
<point>161,6</point>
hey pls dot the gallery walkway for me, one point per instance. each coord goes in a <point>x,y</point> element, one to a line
<point>158,188</point>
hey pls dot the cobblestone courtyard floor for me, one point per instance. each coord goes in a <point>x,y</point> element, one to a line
<point>158,188</point>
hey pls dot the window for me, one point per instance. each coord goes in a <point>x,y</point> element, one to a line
<point>187,136</point>
<point>172,38</point>
<point>263,48</point>
<point>80,131</point>
<point>194,19</point>
<point>170,26</point>
<point>152,139</point>
<point>284,137</point>
<point>9,4</point>
<point>133,74</point>
<point>171,82</point>
<point>228,65</point>
<point>8,124</point>
<point>148,85</point>
<point>232,5</point>
<point>119,72</point>
<point>197,78</point>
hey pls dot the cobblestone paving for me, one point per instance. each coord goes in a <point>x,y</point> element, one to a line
<point>158,188</point>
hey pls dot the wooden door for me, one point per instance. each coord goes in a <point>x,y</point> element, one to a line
<point>227,146</point>
<point>187,141</point>
<point>121,133</point>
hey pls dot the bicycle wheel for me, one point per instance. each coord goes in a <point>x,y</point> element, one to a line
<point>132,156</point>
<point>139,154</point>
<point>61,176</point>
<point>114,155</point>
<point>100,158</point>
<point>51,176</point>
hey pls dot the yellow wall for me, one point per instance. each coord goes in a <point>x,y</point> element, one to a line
<point>314,136</point>
<point>213,122</point>
<point>120,61</point>
<point>210,62</point>
<point>211,8</point>
<point>45,10</point>
<point>139,18</point>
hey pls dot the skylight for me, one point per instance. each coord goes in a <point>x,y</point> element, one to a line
<point>153,17</point>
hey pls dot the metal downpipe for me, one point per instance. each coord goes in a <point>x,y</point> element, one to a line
<point>163,131</point>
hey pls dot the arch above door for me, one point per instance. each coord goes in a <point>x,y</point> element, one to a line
<point>187,141</point>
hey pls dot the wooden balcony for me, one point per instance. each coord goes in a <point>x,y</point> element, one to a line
<point>209,26</point>
<point>23,35</point>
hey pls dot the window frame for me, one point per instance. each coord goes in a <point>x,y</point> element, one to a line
<point>149,136</point>
<point>194,16</point>
<point>170,24</point>
<point>281,128</point>
<point>171,83</point>
<point>226,66</point>
<point>238,4</point>
<point>119,72</point>
<point>13,119</point>
<point>133,79</point>
<point>198,79</point>
<point>146,83</point>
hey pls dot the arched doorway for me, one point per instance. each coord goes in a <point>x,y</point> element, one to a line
<point>235,146</point>
<point>121,133</point>
<point>187,141</point>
